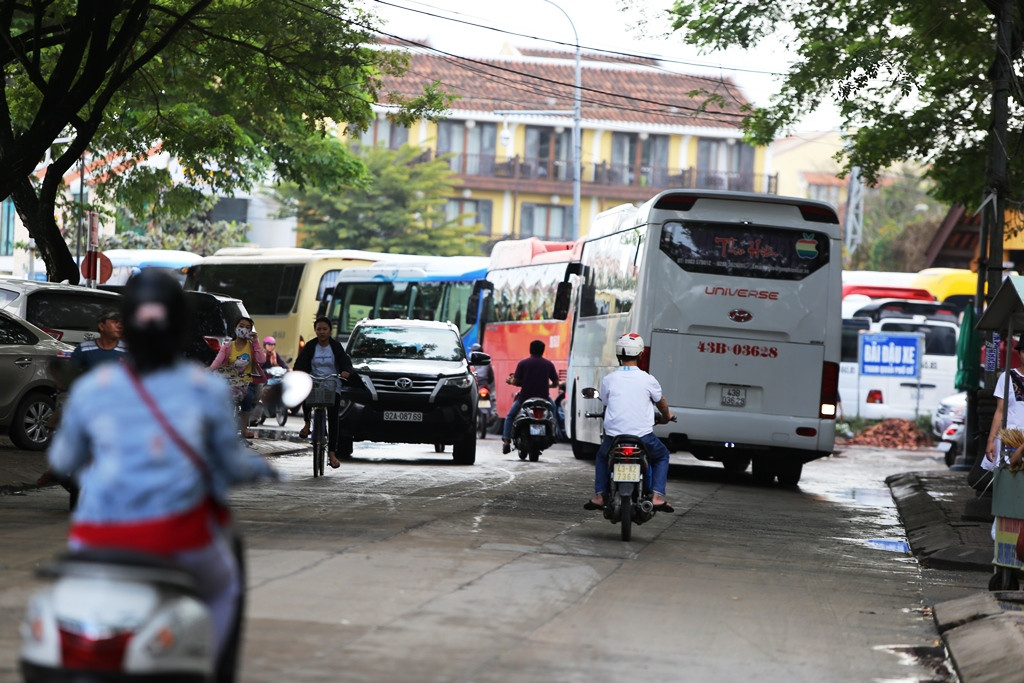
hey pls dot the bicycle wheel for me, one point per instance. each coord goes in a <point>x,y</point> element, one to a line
<point>319,440</point>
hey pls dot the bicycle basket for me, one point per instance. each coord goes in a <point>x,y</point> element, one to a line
<point>322,395</point>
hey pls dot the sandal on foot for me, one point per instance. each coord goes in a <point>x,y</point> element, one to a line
<point>665,507</point>
<point>248,434</point>
<point>591,505</point>
<point>304,432</point>
<point>334,462</point>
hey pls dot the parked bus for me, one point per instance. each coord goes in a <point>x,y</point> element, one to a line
<point>524,275</point>
<point>737,296</point>
<point>281,287</point>
<point>413,287</point>
<point>128,262</point>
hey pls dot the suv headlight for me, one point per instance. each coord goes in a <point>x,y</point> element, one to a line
<point>463,382</point>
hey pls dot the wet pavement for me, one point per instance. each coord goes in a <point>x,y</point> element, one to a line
<point>983,632</point>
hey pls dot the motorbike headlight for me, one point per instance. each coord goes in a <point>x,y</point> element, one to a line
<point>463,382</point>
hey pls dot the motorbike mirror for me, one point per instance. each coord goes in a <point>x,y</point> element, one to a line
<point>295,387</point>
<point>590,392</point>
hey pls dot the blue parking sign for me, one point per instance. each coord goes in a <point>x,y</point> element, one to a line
<point>892,354</point>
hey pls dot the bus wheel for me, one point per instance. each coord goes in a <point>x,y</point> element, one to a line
<point>761,470</point>
<point>789,472</point>
<point>583,451</point>
<point>736,463</point>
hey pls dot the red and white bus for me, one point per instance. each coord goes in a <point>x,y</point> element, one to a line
<point>524,275</point>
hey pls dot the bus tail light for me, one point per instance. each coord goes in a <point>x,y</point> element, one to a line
<point>644,361</point>
<point>875,396</point>
<point>829,391</point>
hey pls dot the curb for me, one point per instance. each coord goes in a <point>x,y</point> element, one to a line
<point>984,635</point>
<point>931,538</point>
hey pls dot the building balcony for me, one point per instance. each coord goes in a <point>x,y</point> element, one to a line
<point>629,181</point>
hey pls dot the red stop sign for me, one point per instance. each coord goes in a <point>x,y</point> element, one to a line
<point>97,260</point>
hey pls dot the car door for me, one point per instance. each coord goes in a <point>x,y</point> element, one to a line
<point>21,364</point>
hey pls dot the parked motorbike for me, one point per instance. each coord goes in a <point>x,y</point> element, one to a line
<point>954,441</point>
<point>484,410</point>
<point>533,429</point>
<point>117,615</point>
<point>270,402</point>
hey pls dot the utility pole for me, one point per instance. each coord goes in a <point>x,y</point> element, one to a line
<point>990,254</point>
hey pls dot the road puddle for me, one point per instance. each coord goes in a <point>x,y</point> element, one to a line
<point>896,545</point>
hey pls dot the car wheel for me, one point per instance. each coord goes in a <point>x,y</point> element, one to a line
<point>30,430</point>
<point>464,451</point>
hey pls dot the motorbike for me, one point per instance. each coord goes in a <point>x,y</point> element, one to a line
<point>484,410</point>
<point>270,403</point>
<point>119,615</point>
<point>628,498</point>
<point>533,429</point>
<point>953,442</point>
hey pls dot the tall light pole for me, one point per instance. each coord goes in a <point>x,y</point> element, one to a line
<point>577,137</point>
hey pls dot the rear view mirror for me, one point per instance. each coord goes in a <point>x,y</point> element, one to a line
<point>295,387</point>
<point>563,299</point>
<point>471,306</point>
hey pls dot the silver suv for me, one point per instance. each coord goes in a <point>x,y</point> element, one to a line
<point>416,386</point>
<point>27,387</point>
<point>68,313</point>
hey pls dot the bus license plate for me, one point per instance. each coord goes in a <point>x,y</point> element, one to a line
<point>536,430</point>
<point>626,472</point>
<point>483,404</point>
<point>403,416</point>
<point>734,396</point>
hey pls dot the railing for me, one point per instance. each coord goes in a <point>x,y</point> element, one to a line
<point>604,173</point>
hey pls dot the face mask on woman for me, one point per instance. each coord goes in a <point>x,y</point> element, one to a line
<point>241,333</point>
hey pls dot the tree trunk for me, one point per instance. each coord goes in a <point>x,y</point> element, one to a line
<point>42,227</point>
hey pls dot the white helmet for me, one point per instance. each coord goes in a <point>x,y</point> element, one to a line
<point>630,345</point>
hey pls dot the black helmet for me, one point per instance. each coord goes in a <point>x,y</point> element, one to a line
<point>156,318</point>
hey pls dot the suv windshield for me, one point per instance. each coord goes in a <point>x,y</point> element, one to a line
<point>419,343</point>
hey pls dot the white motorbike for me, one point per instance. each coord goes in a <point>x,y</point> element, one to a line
<point>114,615</point>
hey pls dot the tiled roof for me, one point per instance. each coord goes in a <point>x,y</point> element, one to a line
<point>611,92</point>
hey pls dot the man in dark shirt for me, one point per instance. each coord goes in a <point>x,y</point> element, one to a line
<point>105,348</point>
<point>534,375</point>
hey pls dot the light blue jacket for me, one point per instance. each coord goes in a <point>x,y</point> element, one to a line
<point>128,468</point>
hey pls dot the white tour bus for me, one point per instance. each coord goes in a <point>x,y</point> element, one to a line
<point>737,296</point>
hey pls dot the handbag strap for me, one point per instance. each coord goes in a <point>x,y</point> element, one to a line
<point>147,398</point>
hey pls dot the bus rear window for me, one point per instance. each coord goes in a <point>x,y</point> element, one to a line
<point>264,288</point>
<point>744,250</point>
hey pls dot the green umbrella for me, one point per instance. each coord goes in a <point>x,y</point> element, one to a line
<point>968,353</point>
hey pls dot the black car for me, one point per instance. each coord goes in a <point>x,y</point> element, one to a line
<point>214,318</point>
<point>415,386</point>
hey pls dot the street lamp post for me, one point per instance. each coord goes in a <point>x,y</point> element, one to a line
<point>577,137</point>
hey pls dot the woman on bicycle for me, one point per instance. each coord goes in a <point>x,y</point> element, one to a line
<point>146,484</point>
<point>326,357</point>
<point>246,355</point>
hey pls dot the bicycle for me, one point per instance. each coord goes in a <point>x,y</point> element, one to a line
<point>320,398</point>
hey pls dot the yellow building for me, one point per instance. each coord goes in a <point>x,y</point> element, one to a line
<point>508,136</point>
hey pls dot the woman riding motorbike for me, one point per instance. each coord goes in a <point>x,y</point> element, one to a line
<point>146,485</point>
<point>246,355</point>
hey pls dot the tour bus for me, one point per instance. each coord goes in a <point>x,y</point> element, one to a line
<point>524,275</point>
<point>280,286</point>
<point>737,297</point>
<point>128,262</point>
<point>412,287</point>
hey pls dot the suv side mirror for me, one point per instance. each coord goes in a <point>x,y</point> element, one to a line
<point>590,392</point>
<point>479,358</point>
<point>563,298</point>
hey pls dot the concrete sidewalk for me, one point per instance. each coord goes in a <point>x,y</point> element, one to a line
<point>984,632</point>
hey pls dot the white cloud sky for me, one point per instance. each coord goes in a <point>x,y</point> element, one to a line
<point>638,27</point>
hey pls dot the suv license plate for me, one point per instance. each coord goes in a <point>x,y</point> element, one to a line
<point>734,396</point>
<point>626,472</point>
<point>537,430</point>
<point>402,416</point>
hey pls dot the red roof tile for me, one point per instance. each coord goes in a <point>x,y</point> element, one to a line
<point>624,93</point>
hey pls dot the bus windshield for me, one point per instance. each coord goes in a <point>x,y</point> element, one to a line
<point>744,250</point>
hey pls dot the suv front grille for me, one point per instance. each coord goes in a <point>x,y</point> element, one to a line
<point>419,386</point>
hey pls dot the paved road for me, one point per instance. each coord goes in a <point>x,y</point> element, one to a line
<point>403,567</point>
